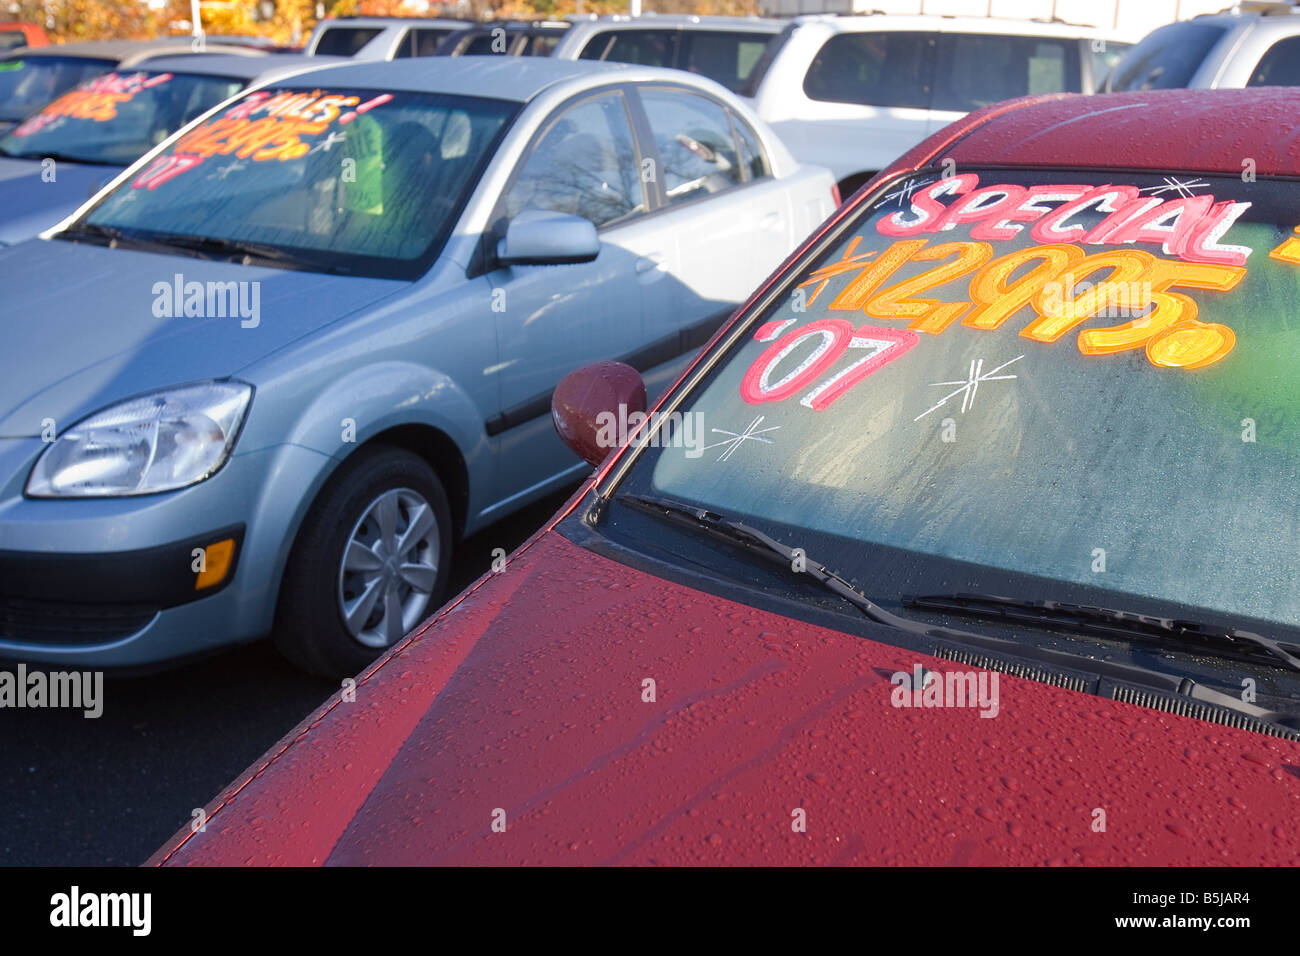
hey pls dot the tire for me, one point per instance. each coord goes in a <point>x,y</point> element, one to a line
<point>371,502</point>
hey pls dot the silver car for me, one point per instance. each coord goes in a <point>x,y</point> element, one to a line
<point>266,378</point>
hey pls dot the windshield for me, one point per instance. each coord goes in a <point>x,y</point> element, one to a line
<point>115,118</point>
<point>1092,379</point>
<point>28,84</point>
<point>365,181</point>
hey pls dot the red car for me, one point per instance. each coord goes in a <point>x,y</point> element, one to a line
<point>15,34</point>
<point>970,539</point>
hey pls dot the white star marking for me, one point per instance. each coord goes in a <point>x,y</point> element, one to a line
<point>904,193</point>
<point>739,438</point>
<point>325,144</point>
<point>1185,189</point>
<point>970,386</point>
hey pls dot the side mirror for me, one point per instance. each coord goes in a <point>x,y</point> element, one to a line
<point>537,237</point>
<point>587,402</point>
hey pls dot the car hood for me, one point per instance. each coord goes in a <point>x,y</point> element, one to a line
<point>32,202</point>
<point>81,332</point>
<point>525,704</point>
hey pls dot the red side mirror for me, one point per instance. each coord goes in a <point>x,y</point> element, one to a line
<point>584,400</point>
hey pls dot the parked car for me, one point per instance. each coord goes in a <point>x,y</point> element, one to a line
<point>853,93</point>
<point>507,37</point>
<point>725,49</point>
<point>55,160</point>
<point>15,34</point>
<point>383,38</point>
<point>1222,50</point>
<point>869,623</point>
<point>365,284</point>
<point>29,79</point>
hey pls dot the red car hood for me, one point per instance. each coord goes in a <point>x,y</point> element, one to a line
<point>522,705</point>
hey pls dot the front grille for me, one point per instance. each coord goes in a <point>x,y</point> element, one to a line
<point>50,622</point>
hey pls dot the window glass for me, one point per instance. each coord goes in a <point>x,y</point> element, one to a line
<point>751,153</point>
<point>874,69</point>
<point>727,58</point>
<point>694,141</point>
<point>1280,66</point>
<point>1105,59</point>
<point>1167,58</point>
<point>116,118</point>
<point>974,70</point>
<point>305,173</point>
<point>420,43</point>
<point>28,84</point>
<point>541,44</point>
<point>344,41</point>
<point>585,165</point>
<point>646,47</point>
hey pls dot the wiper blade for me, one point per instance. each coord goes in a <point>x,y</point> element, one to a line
<point>1104,620</point>
<point>115,238</point>
<point>214,245</point>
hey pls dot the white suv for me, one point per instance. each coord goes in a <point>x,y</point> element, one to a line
<point>1217,51</point>
<point>853,93</point>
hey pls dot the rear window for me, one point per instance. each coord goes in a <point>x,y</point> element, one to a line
<point>1168,58</point>
<point>28,84</point>
<point>874,69</point>
<point>1027,383</point>
<point>726,58</point>
<point>974,70</point>
<point>422,42</point>
<point>344,41</point>
<point>1280,66</point>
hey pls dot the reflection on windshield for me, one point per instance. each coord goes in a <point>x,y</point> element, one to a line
<point>117,117</point>
<point>28,84</point>
<point>366,178</point>
<point>1091,380</point>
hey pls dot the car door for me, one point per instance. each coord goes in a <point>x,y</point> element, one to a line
<point>723,222</point>
<point>553,319</point>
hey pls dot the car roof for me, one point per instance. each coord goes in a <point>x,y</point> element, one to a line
<point>660,21</point>
<point>500,77</point>
<point>132,51</point>
<point>243,67</point>
<point>1206,131</point>
<point>949,24</point>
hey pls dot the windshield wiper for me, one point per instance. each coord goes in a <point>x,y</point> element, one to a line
<point>1089,618</point>
<point>115,238</point>
<point>213,245</point>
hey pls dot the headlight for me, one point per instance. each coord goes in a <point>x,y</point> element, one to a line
<point>156,442</point>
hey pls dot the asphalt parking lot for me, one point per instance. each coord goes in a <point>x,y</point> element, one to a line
<point>108,791</point>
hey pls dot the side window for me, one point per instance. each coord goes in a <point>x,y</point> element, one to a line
<point>541,44</point>
<point>1280,66</point>
<point>874,69</point>
<point>1104,60</point>
<point>585,164</point>
<point>645,47</point>
<point>1167,58</point>
<point>751,153</point>
<point>693,136</point>
<point>344,41</point>
<point>975,69</point>
<point>727,58</point>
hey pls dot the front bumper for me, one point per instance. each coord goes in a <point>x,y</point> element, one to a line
<point>111,582</point>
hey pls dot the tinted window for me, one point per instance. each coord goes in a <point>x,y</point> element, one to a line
<point>485,44</point>
<point>344,41</point>
<point>1167,58</point>
<point>28,84</point>
<point>373,193</point>
<point>1280,66</point>
<point>695,144</point>
<point>585,164</point>
<point>874,69</point>
<point>727,58</point>
<point>975,70</point>
<point>751,153</point>
<point>420,43</point>
<point>12,39</point>
<point>646,47</point>
<point>541,44</point>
